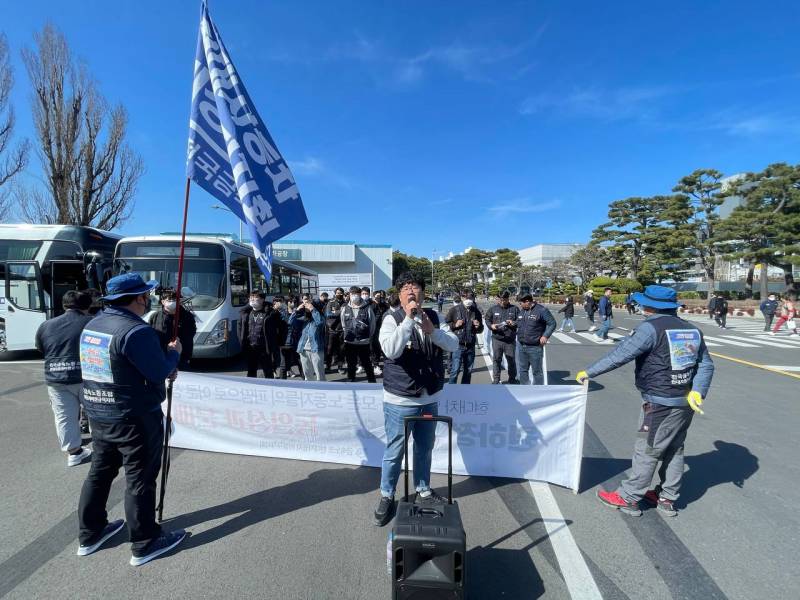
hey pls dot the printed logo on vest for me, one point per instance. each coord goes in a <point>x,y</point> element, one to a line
<point>96,356</point>
<point>684,347</point>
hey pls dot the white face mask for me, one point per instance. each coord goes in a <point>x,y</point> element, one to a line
<point>170,305</point>
<point>256,304</point>
<point>467,302</point>
<point>356,300</point>
<point>365,296</point>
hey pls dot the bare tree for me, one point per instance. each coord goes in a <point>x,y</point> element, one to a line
<point>91,173</point>
<point>17,158</point>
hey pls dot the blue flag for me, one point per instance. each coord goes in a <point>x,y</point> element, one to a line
<point>232,155</point>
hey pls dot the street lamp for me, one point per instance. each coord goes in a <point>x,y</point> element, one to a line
<point>220,207</point>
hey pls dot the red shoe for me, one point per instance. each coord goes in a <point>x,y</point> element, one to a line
<point>652,497</point>
<point>614,500</point>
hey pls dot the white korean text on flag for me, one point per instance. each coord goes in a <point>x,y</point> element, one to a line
<point>231,154</point>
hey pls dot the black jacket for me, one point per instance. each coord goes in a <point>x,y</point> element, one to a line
<point>164,324</point>
<point>274,328</point>
<point>568,309</point>
<point>59,340</point>
<point>497,315</point>
<point>333,315</point>
<point>533,324</point>
<point>590,305</point>
<point>467,334</point>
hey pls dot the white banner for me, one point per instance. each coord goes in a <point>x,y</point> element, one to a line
<point>328,282</point>
<point>528,432</point>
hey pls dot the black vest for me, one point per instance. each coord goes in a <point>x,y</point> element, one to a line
<point>59,339</point>
<point>356,324</point>
<point>113,389</point>
<point>669,368</point>
<point>420,368</point>
<point>255,328</point>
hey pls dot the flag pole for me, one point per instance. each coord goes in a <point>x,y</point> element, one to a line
<point>168,420</point>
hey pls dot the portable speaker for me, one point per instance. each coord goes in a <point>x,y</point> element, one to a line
<point>429,546</point>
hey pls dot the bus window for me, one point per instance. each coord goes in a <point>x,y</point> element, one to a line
<point>61,250</point>
<point>23,287</point>
<point>240,280</point>
<point>257,277</point>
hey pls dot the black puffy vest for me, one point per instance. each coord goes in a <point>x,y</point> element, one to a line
<point>669,368</point>
<point>113,389</point>
<point>420,368</point>
<point>60,342</point>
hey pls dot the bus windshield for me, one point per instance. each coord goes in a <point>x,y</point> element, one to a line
<point>205,277</point>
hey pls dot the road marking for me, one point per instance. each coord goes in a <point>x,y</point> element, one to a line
<point>21,362</point>
<point>759,341</point>
<point>616,336</point>
<point>579,580</point>
<point>794,342</point>
<point>783,367</point>
<point>755,365</point>
<point>565,338</point>
<point>592,337</point>
<point>711,343</point>
<point>731,342</point>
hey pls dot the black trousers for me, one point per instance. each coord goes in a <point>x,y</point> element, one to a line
<point>768,322</point>
<point>334,354</point>
<point>135,445</point>
<point>289,358</point>
<point>259,357</point>
<point>721,318</point>
<point>358,352</point>
<point>499,350</point>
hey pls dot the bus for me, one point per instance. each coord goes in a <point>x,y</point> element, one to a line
<point>38,264</point>
<point>220,274</point>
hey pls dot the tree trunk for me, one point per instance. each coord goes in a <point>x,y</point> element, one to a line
<point>748,283</point>
<point>764,280</point>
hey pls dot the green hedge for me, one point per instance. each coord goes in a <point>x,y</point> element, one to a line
<point>688,295</point>
<point>618,298</point>
<point>619,285</point>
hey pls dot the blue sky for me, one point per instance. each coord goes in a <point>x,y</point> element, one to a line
<point>442,125</point>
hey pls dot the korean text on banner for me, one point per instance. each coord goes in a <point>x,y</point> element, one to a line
<point>529,432</point>
<point>231,154</point>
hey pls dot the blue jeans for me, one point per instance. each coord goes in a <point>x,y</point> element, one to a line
<point>424,436</point>
<point>463,358</point>
<point>567,322</point>
<point>530,357</point>
<point>604,327</point>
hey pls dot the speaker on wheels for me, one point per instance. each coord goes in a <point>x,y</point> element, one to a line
<point>428,543</point>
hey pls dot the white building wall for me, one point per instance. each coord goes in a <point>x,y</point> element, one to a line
<point>545,254</point>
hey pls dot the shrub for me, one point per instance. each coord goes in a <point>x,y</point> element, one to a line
<point>688,295</point>
<point>619,285</point>
<point>618,298</point>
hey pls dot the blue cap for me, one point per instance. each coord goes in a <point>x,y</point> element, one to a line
<point>129,284</point>
<point>657,296</point>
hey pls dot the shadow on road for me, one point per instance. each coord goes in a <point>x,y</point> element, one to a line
<point>599,470</point>
<point>568,378</point>
<point>729,463</point>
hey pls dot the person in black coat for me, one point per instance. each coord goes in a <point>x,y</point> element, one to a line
<point>569,311</point>
<point>259,328</point>
<point>163,321</point>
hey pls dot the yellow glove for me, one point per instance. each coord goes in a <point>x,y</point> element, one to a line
<point>581,377</point>
<point>695,401</point>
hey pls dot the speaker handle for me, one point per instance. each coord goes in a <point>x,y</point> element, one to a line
<point>449,421</point>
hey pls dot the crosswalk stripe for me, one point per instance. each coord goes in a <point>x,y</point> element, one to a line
<point>565,338</point>
<point>783,367</point>
<point>731,342</point>
<point>593,338</point>
<point>759,341</point>
<point>616,336</point>
<point>794,342</point>
<point>711,344</point>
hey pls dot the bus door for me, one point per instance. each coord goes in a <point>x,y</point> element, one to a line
<point>24,307</point>
<point>65,275</point>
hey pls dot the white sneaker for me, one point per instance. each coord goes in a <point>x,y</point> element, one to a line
<point>593,328</point>
<point>360,370</point>
<point>772,333</point>
<point>378,371</point>
<point>73,460</point>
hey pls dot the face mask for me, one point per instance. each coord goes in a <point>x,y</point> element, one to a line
<point>357,300</point>
<point>772,298</point>
<point>256,304</point>
<point>365,296</point>
<point>468,303</point>
<point>170,305</point>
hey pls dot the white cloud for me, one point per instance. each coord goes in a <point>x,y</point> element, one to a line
<point>627,103</point>
<point>522,206</point>
<point>312,166</point>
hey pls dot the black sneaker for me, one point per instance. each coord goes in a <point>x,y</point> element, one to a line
<point>431,499</point>
<point>384,511</point>
<point>511,382</point>
<point>108,532</point>
<point>495,383</point>
<point>157,547</point>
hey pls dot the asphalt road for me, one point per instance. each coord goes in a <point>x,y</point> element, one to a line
<point>273,528</point>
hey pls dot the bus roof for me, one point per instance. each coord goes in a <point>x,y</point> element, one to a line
<point>33,231</point>
<point>212,239</point>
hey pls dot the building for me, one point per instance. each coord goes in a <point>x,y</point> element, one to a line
<point>544,255</point>
<point>340,263</point>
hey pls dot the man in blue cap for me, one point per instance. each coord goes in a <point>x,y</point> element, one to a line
<point>124,369</point>
<point>673,374</point>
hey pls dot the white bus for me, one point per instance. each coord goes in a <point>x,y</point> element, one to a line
<point>38,264</point>
<point>220,272</point>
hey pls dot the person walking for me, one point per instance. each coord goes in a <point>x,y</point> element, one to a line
<point>258,330</point>
<point>334,355</point>
<point>569,312</point>
<point>502,321</point>
<point>124,370</point>
<point>673,374</point>
<point>768,308</point>
<point>311,345</point>
<point>788,315</point>
<point>163,321</point>
<point>440,301</point>
<point>535,326</point>
<point>413,378</point>
<point>630,304</point>
<point>712,300</point>
<point>358,325</point>
<point>590,306</point>
<point>466,322</point>
<point>606,310</point>
<point>720,311</point>
<point>58,339</point>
